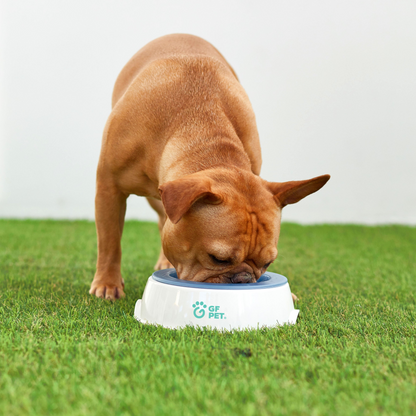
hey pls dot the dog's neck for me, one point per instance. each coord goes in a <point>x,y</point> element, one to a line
<point>183,157</point>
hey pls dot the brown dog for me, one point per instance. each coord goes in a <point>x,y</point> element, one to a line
<point>182,131</point>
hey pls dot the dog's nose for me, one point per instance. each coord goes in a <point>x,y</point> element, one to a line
<point>243,277</point>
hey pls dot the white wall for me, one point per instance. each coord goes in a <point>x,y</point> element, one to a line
<point>333,85</point>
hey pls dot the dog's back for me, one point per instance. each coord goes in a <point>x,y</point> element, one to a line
<point>165,48</point>
<point>177,86</point>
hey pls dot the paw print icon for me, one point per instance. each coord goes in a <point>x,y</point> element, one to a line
<point>199,309</point>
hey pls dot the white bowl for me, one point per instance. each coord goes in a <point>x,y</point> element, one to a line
<point>174,303</point>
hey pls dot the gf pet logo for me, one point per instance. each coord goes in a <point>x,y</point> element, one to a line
<point>199,311</point>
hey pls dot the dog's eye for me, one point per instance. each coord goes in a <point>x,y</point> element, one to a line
<point>267,265</point>
<point>219,261</point>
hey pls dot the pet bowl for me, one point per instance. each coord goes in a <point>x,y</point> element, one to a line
<point>174,303</point>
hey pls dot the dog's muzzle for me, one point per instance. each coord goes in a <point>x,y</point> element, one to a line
<point>243,277</point>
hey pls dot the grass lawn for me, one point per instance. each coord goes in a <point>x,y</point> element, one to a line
<point>352,352</point>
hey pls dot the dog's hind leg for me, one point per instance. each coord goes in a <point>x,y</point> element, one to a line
<point>162,262</point>
<point>110,209</point>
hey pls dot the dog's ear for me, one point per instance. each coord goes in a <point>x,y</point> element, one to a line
<point>291,192</point>
<point>178,196</point>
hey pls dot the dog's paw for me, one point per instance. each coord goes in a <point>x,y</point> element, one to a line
<point>294,297</point>
<point>163,263</point>
<point>107,290</point>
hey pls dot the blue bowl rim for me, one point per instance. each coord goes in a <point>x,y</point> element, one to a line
<point>266,281</point>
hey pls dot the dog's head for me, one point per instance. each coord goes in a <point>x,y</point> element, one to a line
<point>223,225</point>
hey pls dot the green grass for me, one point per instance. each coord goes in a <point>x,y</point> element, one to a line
<point>352,352</point>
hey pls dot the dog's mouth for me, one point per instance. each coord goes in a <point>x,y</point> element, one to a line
<point>243,277</point>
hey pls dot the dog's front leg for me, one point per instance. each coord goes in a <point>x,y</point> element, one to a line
<point>110,209</point>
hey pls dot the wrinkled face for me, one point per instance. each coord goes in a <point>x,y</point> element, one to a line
<point>233,242</point>
<point>223,225</point>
